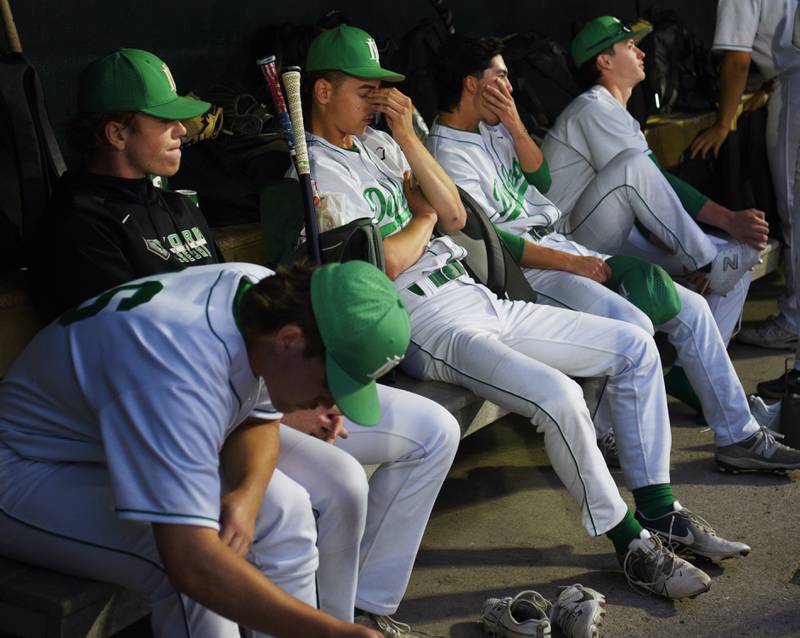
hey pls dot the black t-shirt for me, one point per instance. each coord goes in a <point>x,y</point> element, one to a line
<point>101,231</point>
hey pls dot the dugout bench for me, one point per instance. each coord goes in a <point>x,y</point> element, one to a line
<point>39,603</point>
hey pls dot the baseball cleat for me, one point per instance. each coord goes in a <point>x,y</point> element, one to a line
<point>767,415</point>
<point>760,451</point>
<point>579,612</point>
<point>388,626</point>
<point>526,614</point>
<point>733,260</point>
<point>777,388</point>
<point>607,442</point>
<point>653,568</point>
<point>686,534</point>
<point>771,333</point>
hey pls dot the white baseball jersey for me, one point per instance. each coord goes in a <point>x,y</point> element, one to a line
<point>769,29</point>
<point>370,177</point>
<point>149,379</point>
<point>590,132</point>
<point>484,163</point>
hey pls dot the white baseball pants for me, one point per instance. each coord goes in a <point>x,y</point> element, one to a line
<point>694,333</point>
<point>61,516</point>
<point>629,188</point>
<point>519,354</point>
<point>369,534</point>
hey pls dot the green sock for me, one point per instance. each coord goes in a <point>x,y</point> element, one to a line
<point>677,385</point>
<point>654,500</point>
<point>624,532</point>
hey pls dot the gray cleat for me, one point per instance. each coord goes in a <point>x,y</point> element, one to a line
<point>760,451</point>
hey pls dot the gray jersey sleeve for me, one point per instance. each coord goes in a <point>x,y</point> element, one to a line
<point>737,23</point>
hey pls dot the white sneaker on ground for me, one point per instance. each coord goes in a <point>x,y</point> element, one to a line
<point>768,415</point>
<point>579,612</point>
<point>733,260</point>
<point>526,614</point>
<point>772,332</point>
<point>653,568</point>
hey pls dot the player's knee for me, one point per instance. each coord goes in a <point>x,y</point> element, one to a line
<point>347,491</point>
<point>647,286</point>
<point>642,349</point>
<point>445,432</point>
<point>562,401</point>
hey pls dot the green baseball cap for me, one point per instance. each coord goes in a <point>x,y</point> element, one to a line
<point>601,33</point>
<point>349,50</point>
<point>365,328</point>
<point>134,80</point>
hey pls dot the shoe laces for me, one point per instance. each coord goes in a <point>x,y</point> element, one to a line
<point>664,563</point>
<point>391,627</point>
<point>767,441</point>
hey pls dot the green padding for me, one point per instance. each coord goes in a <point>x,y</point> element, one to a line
<point>646,286</point>
<point>540,178</point>
<point>281,220</point>
<point>514,243</point>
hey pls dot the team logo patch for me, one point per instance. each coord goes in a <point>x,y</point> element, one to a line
<point>155,247</point>
<point>373,50</point>
<point>391,362</point>
<point>170,79</point>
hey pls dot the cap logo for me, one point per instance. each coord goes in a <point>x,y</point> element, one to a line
<point>391,362</point>
<point>373,50</point>
<point>170,79</point>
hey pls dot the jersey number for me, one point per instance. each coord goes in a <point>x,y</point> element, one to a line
<point>145,291</point>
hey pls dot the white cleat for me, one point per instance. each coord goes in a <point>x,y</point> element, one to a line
<point>733,260</point>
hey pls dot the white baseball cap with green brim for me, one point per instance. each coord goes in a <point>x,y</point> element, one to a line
<point>351,51</point>
<point>365,329</point>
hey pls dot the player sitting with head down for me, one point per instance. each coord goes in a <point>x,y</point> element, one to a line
<point>515,354</point>
<point>115,226</point>
<point>481,142</point>
<point>617,199</point>
<point>123,423</point>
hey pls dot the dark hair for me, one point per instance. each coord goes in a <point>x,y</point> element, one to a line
<point>588,74</point>
<point>86,131</point>
<point>307,90</point>
<point>459,56</point>
<point>279,300</point>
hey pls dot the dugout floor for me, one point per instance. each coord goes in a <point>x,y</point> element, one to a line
<point>502,524</point>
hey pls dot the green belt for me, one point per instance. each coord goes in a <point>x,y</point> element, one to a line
<point>440,277</point>
<point>537,232</point>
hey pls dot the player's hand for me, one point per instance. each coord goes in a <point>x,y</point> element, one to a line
<point>710,140</point>
<point>750,227</point>
<point>398,110</point>
<point>237,519</point>
<point>498,99</point>
<point>321,423</point>
<point>595,268</point>
<point>417,202</point>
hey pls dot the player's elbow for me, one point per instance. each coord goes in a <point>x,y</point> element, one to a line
<point>453,220</point>
<point>393,266</point>
<point>184,551</point>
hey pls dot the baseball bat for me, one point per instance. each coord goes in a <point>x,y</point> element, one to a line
<point>269,69</point>
<point>291,82</point>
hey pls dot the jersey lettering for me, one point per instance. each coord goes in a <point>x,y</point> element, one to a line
<point>389,208</point>
<point>508,191</point>
<point>144,292</point>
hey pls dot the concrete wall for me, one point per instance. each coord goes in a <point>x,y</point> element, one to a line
<point>206,40</point>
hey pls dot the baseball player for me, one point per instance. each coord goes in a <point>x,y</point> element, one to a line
<point>768,33</point>
<point>162,394</point>
<point>605,178</point>
<point>368,533</point>
<point>513,353</point>
<point>480,140</point>
<point>128,128</point>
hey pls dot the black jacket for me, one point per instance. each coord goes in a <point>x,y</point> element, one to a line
<point>100,232</point>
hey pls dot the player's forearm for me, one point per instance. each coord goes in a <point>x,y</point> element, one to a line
<point>201,567</point>
<point>403,249</point>
<point>716,215</point>
<point>733,79</point>
<point>249,455</point>
<point>535,256</point>
<point>436,184</point>
<point>528,152</point>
